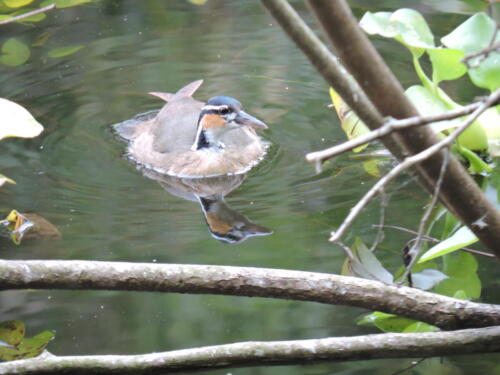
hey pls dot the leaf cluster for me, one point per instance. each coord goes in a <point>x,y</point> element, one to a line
<point>441,269</point>
<point>14,345</point>
<point>15,52</point>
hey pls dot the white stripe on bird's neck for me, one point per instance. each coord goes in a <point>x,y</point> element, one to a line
<point>210,131</point>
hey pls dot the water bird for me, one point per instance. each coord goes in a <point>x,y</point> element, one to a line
<point>192,139</point>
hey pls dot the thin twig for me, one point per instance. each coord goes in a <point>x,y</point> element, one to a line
<point>389,127</point>
<point>380,233</point>
<point>435,240</point>
<point>484,53</point>
<point>407,163</point>
<point>28,14</point>
<point>417,245</point>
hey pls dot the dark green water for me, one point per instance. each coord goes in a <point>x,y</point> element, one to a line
<point>74,175</point>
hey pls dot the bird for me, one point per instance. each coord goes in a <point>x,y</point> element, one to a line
<point>192,139</point>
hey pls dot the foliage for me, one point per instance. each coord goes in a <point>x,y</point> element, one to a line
<point>16,52</point>
<point>393,323</point>
<point>14,345</point>
<point>460,239</point>
<point>456,275</point>
<point>409,28</point>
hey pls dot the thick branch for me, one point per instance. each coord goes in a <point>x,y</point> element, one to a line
<point>459,192</point>
<point>299,352</point>
<point>441,311</point>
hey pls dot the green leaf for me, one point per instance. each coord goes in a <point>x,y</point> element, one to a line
<point>28,348</point>
<point>461,238</point>
<point>460,294</point>
<point>463,279</point>
<point>420,327</point>
<point>64,3</point>
<point>490,121</point>
<point>487,74</point>
<point>414,31</point>
<point>474,137</point>
<point>405,25</point>
<point>17,3</point>
<point>446,64</point>
<point>15,121</point>
<point>476,164</point>
<point>379,24</point>
<point>14,53</point>
<point>372,167</point>
<point>460,265</point>
<point>12,332</point>
<point>370,318</point>
<point>386,322</point>
<point>472,36</point>
<point>64,51</point>
<point>34,346</point>
<point>428,104</point>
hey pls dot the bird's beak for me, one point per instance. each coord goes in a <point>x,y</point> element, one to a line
<point>244,118</point>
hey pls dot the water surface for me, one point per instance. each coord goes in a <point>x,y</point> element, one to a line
<point>75,176</point>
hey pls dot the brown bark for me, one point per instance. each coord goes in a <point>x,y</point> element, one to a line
<point>441,311</point>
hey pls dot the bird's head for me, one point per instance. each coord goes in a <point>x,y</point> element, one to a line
<point>220,115</point>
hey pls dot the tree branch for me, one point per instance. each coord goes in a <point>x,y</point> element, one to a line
<point>389,127</point>
<point>328,66</point>
<point>441,311</point>
<point>416,248</point>
<point>270,353</point>
<point>459,193</point>
<point>27,14</point>
<point>407,163</point>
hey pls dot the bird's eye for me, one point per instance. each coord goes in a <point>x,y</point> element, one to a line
<point>224,111</point>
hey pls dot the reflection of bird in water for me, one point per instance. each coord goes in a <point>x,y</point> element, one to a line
<point>188,138</point>
<point>224,223</point>
<point>199,152</point>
